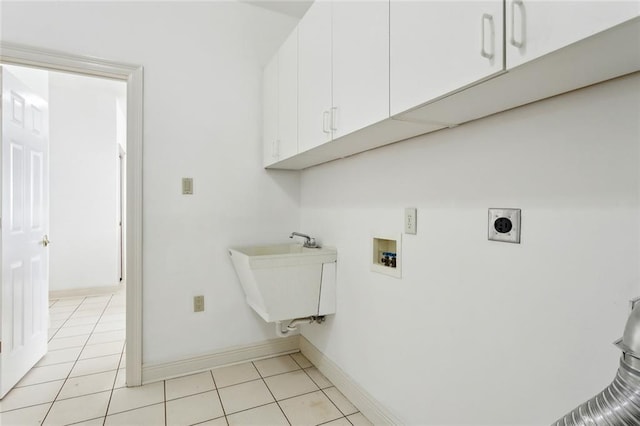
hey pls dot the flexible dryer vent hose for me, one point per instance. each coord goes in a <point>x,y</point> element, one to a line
<point>619,403</point>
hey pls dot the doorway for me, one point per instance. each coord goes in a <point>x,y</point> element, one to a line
<point>13,54</point>
<point>75,198</point>
<point>86,114</point>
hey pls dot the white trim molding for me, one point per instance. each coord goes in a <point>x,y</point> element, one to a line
<point>235,355</point>
<point>373,410</point>
<point>15,54</point>
<point>85,291</point>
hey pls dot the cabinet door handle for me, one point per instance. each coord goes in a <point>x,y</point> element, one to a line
<point>325,122</point>
<point>334,118</point>
<point>491,51</point>
<point>513,41</point>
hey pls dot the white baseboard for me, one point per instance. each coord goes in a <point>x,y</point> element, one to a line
<point>372,409</point>
<point>84,292</point>
<point>252,352</point>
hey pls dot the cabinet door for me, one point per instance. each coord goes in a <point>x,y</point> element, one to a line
<point>360,65</point>
<point>314,74</point>
<point>270,111</point>
<point>537,27</point>
<point>288,97</point>
<point>438,47</point>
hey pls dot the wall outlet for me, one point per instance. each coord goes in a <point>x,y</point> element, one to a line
<point>198,303</point>
<point>410,220</point>
<point>504,225</point>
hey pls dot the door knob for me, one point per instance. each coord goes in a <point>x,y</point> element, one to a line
<point>45,241</point>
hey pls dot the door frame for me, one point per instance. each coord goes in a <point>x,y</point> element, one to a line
<point>121,212</point>
<point>21,55</point>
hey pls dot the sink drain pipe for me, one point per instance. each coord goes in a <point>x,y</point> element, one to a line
<point>619,403</point>
<point>293,325</point>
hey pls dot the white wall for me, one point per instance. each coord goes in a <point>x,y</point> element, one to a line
<point>83,182</point>
<point>202,75</point>
<point>479,332</point>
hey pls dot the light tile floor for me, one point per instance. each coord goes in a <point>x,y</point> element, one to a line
<point>81,381</point>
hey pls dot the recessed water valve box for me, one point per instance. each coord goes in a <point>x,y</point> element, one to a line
<point>504,225</point>
<point>387,255</point>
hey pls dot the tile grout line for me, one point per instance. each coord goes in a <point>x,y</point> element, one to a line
<point>244,409</point>
<point>83,421</point>
<point>215,385</point>
<point>322,389</point>
<point>79,359</point>
<point>65,321</point>
<point>272,395</point>
<point>331,421</point>
<point>164,403</point>
<point>283,399</point>
<point>209,420</point>
<point>253,380</point>
<point>74,377</point>
<point>113,386</point>
<point>73,312</point>
<point>334,404</point>
<point>76,361</point>
<point>128,410</point>
<point>186,396</point>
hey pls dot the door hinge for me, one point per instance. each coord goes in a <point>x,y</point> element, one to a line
<point>0,347</point>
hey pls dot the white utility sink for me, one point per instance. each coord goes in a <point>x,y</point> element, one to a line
<point>287,281</point>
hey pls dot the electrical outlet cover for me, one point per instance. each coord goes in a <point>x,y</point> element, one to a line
<point>410,220</point>
<point>504,225</point>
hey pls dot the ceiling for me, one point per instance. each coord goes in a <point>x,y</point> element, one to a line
<point>294,8</point>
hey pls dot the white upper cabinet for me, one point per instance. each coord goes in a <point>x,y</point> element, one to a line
<point>370,73</point>
<point>360,65</point>
<point>343,69</point>
<point>280,103</point>
<point>288,97</point>
<point>270,111</point>
<point>537,27</point>
<point>314,74</point>
<point>438,47</point>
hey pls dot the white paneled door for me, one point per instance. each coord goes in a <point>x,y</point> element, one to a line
<point>24,227</point>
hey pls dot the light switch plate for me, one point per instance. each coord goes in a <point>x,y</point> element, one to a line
<point>410,220</point>
<point>187,186</point>
<point>198,303</point>
<point>504,225</point>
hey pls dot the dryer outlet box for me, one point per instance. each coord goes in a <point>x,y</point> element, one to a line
<point>504,225</point>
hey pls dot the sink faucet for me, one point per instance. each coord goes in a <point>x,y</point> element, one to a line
<point>309,241</point>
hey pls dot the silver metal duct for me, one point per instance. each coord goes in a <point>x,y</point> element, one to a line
<point>619,403</point>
